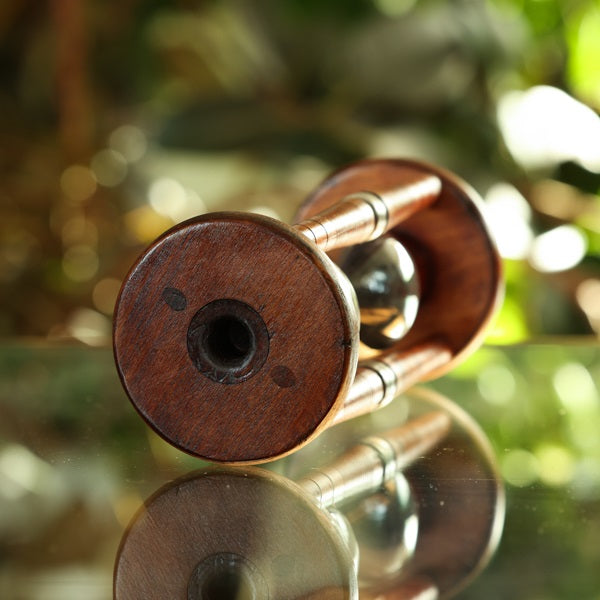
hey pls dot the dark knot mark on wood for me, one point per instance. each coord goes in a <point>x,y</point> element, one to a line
<point>283,377</point>
<point>174,298</point>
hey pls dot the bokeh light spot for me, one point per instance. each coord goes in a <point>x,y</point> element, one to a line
<point>109,167</point>
<point>509,325</point>
<point>105,294</point>
<point>167,197</point>
<point>520,468</point>
<point>145,224</point>
<point>22,472</point>
<point>79,230</point>
<point>507,214</point>
<point>78,183</point>
<point>544,126</point>
<point>583,57</point>
<point>575,388</point>
<point>556,464</point>
<point>586,478</point>
<point>588,298</point>
<point>89,326</point>
<point>129,141</point>
<point>80,262</point>
<point>394,8</point>
<point>559,249</point>
<point>496,384</point>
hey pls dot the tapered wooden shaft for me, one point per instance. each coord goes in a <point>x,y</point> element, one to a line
<point>378,381</point>
<point>368,214</point>
<point>363,469</point>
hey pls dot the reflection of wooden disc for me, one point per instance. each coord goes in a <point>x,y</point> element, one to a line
<point>239,534</point>
<point>234,339</point>
<point>460,499</point>
<point>458,264</point>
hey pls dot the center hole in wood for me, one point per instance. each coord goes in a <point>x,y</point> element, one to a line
<point>229,341</point>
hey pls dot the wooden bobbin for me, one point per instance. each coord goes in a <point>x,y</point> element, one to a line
<point>237,338</point>
<point>251,534</point>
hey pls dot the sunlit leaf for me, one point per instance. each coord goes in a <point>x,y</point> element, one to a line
<point>583,67</point>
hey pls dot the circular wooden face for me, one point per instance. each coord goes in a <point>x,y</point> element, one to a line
<point>239,534</point>
<point>458,264</point>
<point>233,338</point>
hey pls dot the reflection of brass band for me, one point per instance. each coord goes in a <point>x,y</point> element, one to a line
<point>388,378</point>
<point>386,454</point>
<point>325,486</point>
<point>379,209</point>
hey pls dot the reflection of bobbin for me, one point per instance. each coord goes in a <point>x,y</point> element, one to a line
<point>410,512</point>
<point>237,338</point>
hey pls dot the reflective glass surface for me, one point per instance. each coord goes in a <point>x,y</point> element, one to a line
<point>77,462</point>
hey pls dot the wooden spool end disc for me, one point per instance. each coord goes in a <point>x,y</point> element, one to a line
<point>457,261</point>
<point>234,339</point>
<point>226,533</point>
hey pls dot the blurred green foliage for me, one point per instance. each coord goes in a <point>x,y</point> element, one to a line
<point>247,105</point>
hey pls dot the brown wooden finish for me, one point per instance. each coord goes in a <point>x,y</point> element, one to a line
<point>232,534</point>
<point>237,338</point>
<point>459,265</point>
<point>369,392</point>
<point>367,214</point>
<point>266,393</point>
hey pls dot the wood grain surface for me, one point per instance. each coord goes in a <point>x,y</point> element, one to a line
<point>294,293</point>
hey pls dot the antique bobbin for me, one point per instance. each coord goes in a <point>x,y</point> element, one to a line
<point>424,500</point>
<point>236,336</point>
